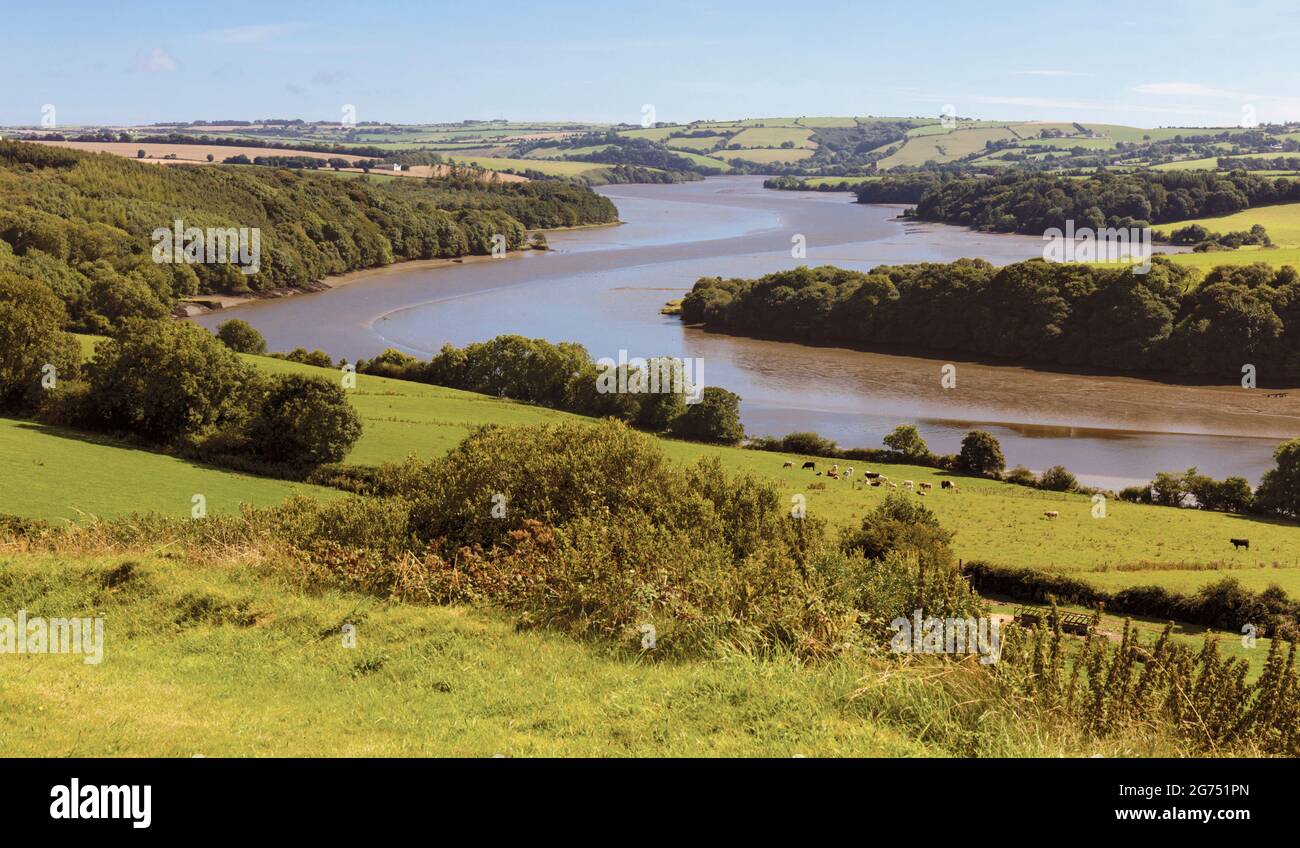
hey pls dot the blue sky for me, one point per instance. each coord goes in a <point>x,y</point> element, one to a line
<point>1167,64</point>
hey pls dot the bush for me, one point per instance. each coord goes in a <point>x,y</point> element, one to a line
<point>903,524</point>
<point>241,337</point>
<point>303,420</point>
<point>1021,476</point>
<point>981,455</point>
<point>1058,479</point>
<point>808,444</point>
<point>715,418</point>
<point>165,380</point>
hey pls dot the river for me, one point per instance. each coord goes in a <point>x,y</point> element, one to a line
<point>604,287</point>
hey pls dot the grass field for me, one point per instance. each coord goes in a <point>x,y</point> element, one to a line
<point>68,475</point>
<point>707,142</point>
<point>773,137</point>
<point>1281,221</point>
<point>764,156</point>
<point>944,147</point>
<point>546,166</point>
<point>420,681</point>
<point>222,655</point>
<point>993,521</point>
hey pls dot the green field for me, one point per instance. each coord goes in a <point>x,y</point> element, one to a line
<point>546,166</point>
<point>764,156</point>
<point>944,147</point>
<point>993,521</point>
<point>69,475</point>
<point>707,142</point>
<point>222,655</point>
<point>420,681</point>
<point>1281,221</point>
<point>773,137</point>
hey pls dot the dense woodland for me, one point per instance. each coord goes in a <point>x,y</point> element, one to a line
<point>1034,312</point>
<point>80,224</point>
<point>1033,203</point>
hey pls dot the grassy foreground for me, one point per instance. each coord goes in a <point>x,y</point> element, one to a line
<point>224,658</point>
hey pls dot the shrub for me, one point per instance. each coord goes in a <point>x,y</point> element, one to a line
<point>981,455</point>
<point>1021,476</point>
<point>303,420</point>
<point>164,380</point>
<point>715,418</point>
<point>1058,479</point>
<point>241,337</point>
<point>900,523</point>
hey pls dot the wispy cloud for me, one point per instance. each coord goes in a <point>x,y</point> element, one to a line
<point>1187,89</point>
<point>254,33</point>
<point>156,61</point>
<point>328,77</point>
<point>1052,73</point>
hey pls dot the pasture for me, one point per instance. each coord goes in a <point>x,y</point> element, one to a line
<point>58,474</point>
<point>944,147</point>
<point>1281,221</point>
<point>764,156</point>
<point>761,137</point>
<point>993,521</point>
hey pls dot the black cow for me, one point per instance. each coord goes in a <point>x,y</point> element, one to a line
<point>1237,544</point>
<point>810,464</point>
<point>946,484</point>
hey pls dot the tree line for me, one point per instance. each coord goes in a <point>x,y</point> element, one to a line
<point>1034,203</point>
<point>1030,312</point>
<point>81,225</point>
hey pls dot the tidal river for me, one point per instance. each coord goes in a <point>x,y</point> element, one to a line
<point>604,288</point>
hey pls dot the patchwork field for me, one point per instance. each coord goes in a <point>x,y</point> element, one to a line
<point>944,147</point>
<point>764,156</point>
<point>773,137</point>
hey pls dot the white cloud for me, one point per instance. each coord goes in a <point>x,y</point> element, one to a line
<point>158,61</point>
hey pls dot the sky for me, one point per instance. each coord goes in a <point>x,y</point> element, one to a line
<point>1167,64</point>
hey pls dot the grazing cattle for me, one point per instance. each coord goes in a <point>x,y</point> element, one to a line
<point>809,464</point>
<point>870,475</point>
<point>953,487</point>
<point>1051,513</point>
<point>788,465</point>
<point>947,484</point>
<point>848,472</point>
<point>927,485</point>
<point>1238,544</point>
<point>908,484</point>
<point>836,468</point>
<point>832,474</point>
